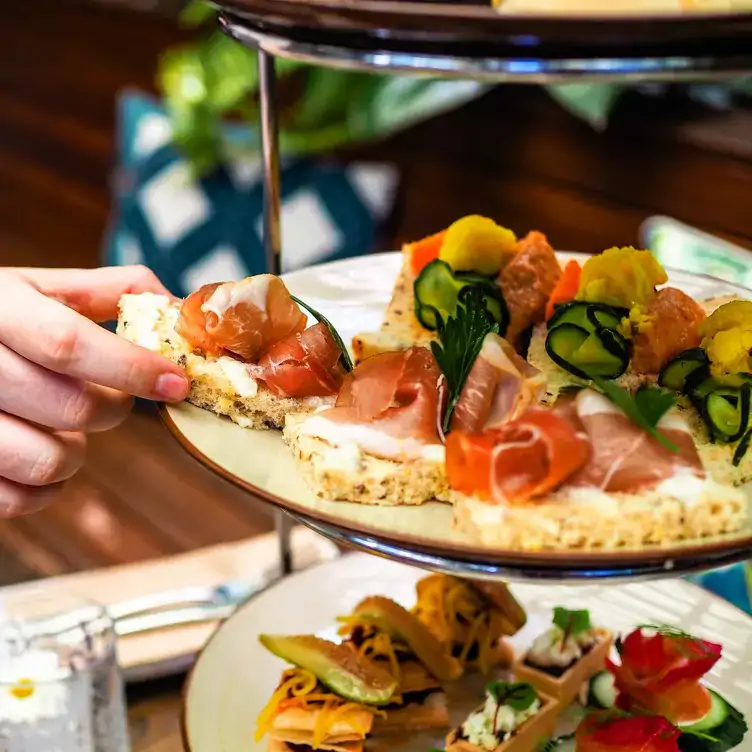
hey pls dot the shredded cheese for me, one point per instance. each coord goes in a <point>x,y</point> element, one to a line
<point>376,644</point>
<point>459,618</point>
<point>300,688</point>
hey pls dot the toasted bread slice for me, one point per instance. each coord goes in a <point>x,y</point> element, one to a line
<point>295,741</point>
<point>586,519</point>
<point>400,329</point>
<point>345,473</point>
<point>221,385</point>
<point>430,713</point>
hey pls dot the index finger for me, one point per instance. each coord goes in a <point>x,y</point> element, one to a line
<point>44,331</point>
<point>94,293</point>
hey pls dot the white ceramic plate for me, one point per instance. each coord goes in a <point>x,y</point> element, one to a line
<point>234,675</point>
<point>353,295</point>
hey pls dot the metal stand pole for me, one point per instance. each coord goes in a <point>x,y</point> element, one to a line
<point>270,149</point>
<point>272,231</point>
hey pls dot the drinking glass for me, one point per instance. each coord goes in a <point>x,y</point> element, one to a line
<point>60,686</point>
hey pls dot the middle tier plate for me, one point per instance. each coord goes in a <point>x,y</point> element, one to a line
<point>353,294</point>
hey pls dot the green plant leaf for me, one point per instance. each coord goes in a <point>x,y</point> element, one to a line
<point>633,410</point>
<point>571,622</point>
<point>517,695</point>
<point>196,12</point>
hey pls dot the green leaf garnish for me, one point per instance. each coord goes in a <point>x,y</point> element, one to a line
<point>518,695</point>
<point>461,340</point>
<point>645,410</point>
<point>345,357</point>
<point>571,622</point>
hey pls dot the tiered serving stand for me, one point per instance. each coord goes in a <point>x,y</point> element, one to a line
<point>471,40</point>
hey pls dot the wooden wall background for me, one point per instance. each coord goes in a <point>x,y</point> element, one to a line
<point>515,155</point>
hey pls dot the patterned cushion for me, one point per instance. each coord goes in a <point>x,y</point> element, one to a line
<point>192,231</point>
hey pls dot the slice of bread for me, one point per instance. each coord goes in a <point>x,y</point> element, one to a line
<point>345,473</point>
<point>400,329</point>
<point>221,385</point>
<point>587,519</point>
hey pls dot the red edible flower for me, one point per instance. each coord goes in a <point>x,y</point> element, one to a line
<point>661,673</point>
<point>603,732</point>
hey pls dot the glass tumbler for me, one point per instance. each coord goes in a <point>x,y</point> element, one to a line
<point>60,686</point>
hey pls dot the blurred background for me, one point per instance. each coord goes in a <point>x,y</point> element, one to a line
<point>127,135</point>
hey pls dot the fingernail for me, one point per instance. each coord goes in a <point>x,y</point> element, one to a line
<point>171,387</point>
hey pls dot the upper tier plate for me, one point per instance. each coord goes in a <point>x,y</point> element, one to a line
<point>627,39</point>
<point>353,294</point>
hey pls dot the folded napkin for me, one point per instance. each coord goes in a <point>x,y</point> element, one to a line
<point>172,650</point>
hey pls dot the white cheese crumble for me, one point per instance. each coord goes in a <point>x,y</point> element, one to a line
<point>494,724</point>
<point>550,648</point>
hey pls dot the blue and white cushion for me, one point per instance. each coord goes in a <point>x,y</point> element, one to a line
<point>194,231</point>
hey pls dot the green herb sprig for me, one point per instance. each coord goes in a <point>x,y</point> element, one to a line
<point>461,338</point>
<point>645,408</point>
<point>345,357</point>
<point>571,622</point>
<point>518,695</point>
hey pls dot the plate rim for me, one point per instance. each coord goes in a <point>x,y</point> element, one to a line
<point>574,557</point>
<point>190,675</point>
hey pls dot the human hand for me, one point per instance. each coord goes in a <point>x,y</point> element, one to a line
<point>63,376</point>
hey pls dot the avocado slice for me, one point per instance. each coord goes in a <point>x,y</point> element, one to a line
<point>338,667</point>
<point>397,621</point>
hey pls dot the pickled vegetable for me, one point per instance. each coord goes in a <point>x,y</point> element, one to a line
<point>621,277</point>
<point>675,374</point>
<point>582,352</point>
<point>727,337</point>
<point>478,244</point>
<point>438,291</point>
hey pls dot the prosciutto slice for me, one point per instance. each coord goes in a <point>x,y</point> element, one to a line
<point>394,394</point>
<point>500,386</point>
<point>304,364</point>
<point>625,457</point>
<point>245,317</point>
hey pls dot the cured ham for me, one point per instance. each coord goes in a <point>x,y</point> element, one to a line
<point>301,365</point>
<point>392,401</point>
<point>519,461</point>
<point>245,318</point>
<point>625,457</point>
<point>499,387</point>
<point>527,283</point>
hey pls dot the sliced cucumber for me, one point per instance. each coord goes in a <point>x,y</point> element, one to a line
<point>674,375</point>
<point>438,291</point>
<point>726,411</point>
<point>721,729</point>
<point>588,316</point>
<point>602,691</point>
<point>741,448</point>
<point>559,744</point>
<point>577,350</point>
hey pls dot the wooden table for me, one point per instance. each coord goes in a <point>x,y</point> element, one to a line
<point>514,154</point>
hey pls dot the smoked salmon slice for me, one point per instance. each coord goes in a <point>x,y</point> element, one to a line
<point>518,461</point>
<point>245,318</point>
<point>605,732</point>
<point>301,365</point>
<point>625,457</point>
<point>500,386</point>
<point>394,394</point>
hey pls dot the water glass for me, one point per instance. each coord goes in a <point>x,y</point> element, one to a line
<point>60,686</point>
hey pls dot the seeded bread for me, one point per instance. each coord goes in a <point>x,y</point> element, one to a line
<point>220,385</point>
<point>587,520</point>
<point>346,473</point>
<point>400,329</point>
